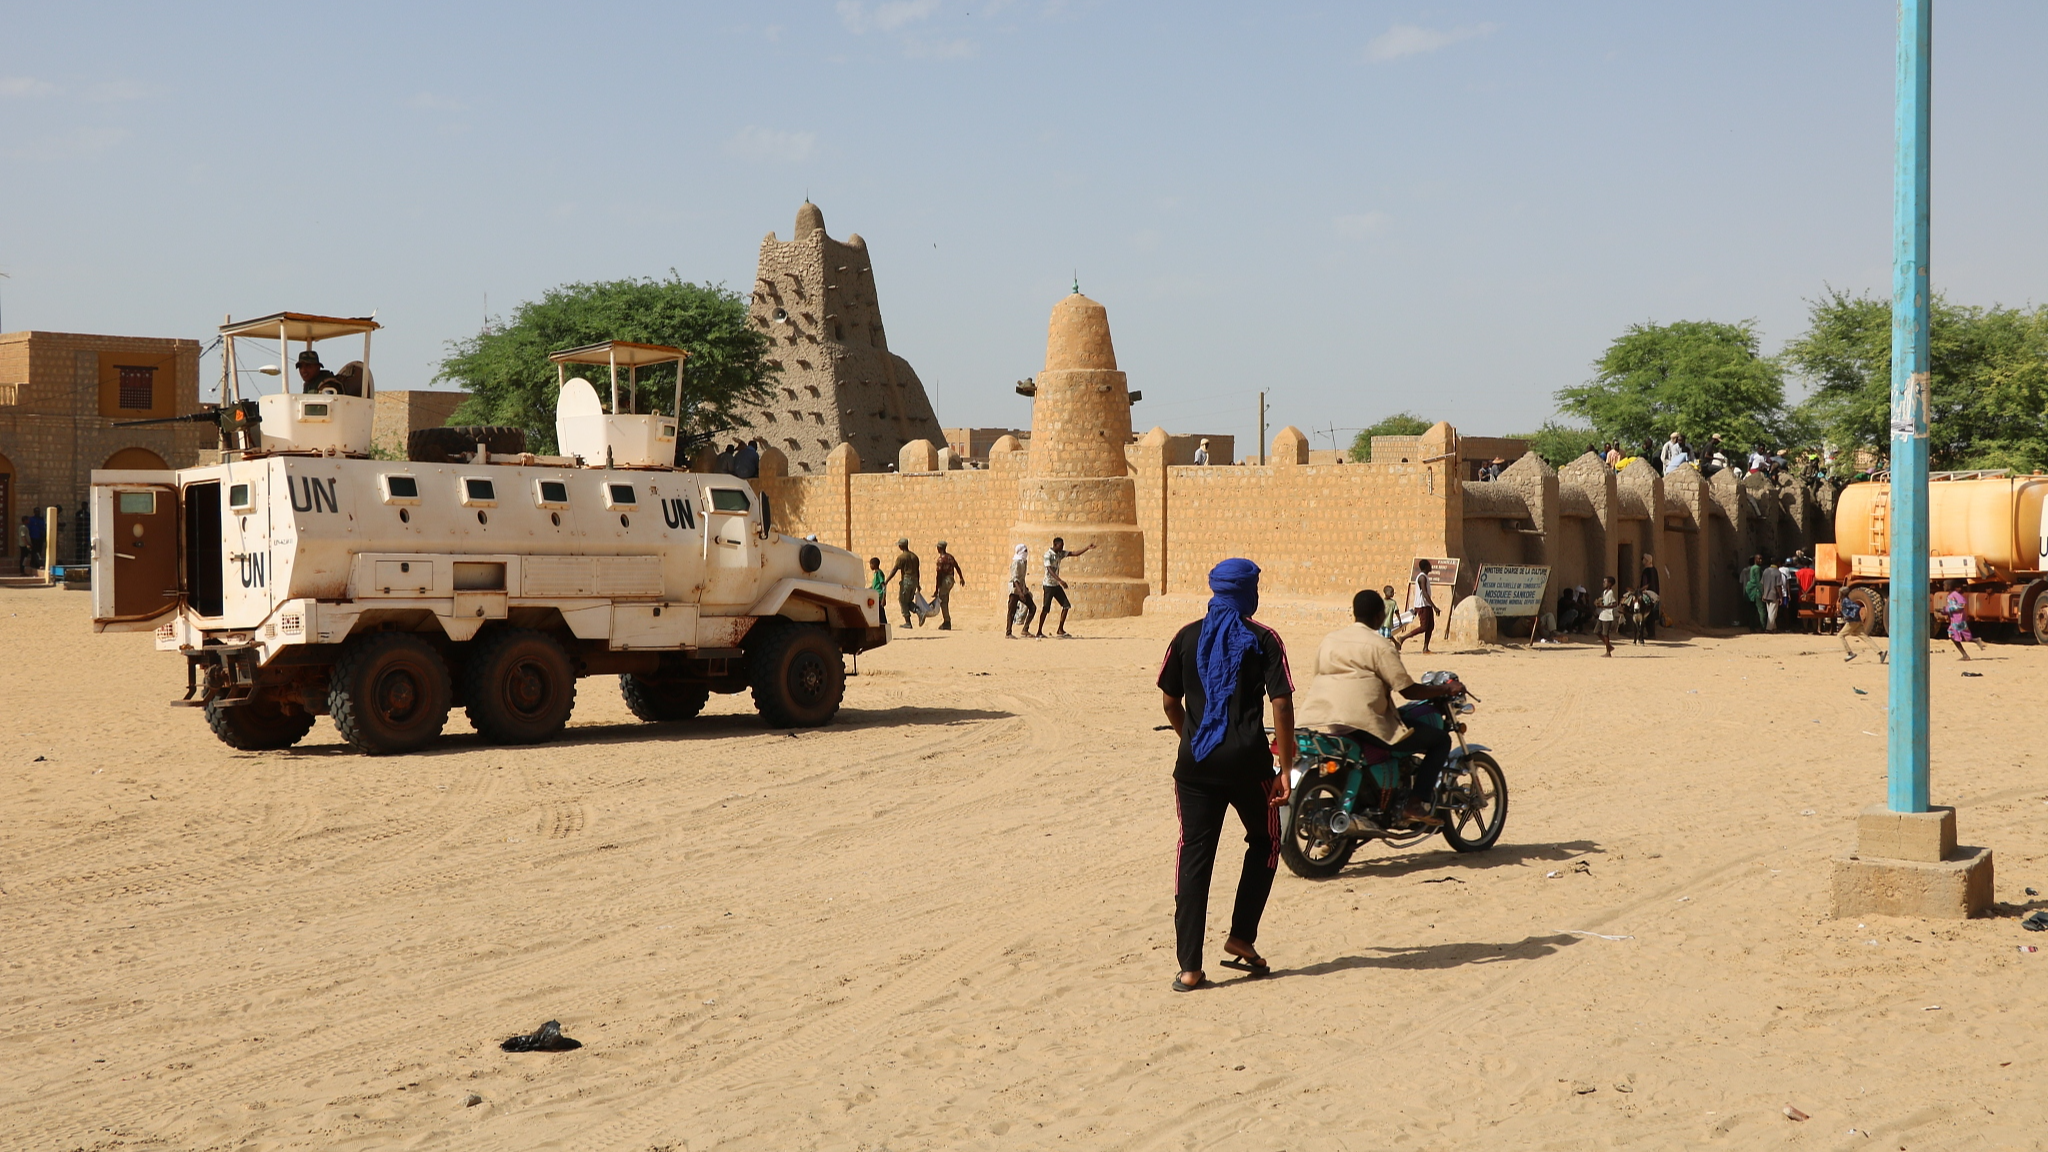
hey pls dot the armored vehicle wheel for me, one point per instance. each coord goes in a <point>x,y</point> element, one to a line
<point>519,687</point>
<point>457,443</point>
<point>390,693</point>
<point>1874,606</point>
<point>261,725</point>
<point>1306,843</point>
<point>1474,795</point>
<point>659,700</point>
<point>796,674</point>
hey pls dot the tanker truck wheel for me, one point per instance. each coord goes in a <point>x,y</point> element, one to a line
<point>390,693</point>
<point>796,673</point>
<point>1873,607</point>
<point>656,701</point>
<point>2040,621</point>
<point>260,725</point>
<point>519,687</point>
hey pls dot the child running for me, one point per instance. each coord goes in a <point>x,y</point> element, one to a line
<point>1604,627</point>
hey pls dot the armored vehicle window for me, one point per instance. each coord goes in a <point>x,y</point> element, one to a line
<point>621,495</point>
<point>729,500</point>
<point>476,491</point>
<point>401,488</point>
<point>554,492</point>
<point>138,504</point>
<point>313,412</point>
<point>238,497</point>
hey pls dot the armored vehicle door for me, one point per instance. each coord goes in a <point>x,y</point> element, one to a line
<point>135,554</point>
<point>732,561</point>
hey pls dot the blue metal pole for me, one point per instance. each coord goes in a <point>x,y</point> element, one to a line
<point>1907,725</point>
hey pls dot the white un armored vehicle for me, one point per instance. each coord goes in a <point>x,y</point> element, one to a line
<point>299,576</point>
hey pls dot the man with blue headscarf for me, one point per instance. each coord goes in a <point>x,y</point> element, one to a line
<point>1218,674</point>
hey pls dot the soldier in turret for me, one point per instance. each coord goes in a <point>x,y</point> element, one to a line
<point>312,373</point>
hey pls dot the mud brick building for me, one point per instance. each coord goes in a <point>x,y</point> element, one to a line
<point>838,383</point>
<point>1318,530</point>
<point>61,393</point>
<point>400,412</point>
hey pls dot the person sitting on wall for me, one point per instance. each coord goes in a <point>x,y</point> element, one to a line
<point>311,374</point>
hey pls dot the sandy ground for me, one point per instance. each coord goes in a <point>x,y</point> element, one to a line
<point>944,922</point>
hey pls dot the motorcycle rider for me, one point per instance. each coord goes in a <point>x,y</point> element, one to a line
<point>1357,673</point>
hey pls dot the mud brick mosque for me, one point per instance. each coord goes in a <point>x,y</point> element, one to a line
<point>1319,530</point>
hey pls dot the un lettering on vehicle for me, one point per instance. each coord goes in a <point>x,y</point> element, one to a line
<point>313,494</point>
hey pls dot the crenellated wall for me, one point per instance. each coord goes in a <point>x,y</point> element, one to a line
<point>1586,521</point>
<point>1319,531</point>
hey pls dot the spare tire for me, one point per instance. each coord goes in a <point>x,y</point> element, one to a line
<point>455,444</point>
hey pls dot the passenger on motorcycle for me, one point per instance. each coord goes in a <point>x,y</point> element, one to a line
<point>1357,673</point>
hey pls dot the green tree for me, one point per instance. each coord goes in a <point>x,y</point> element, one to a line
<point>510,380</point>
<point>1692,376</point>
<point>1399,424</point>
<point>1988,370</point>
<point>1559,444</point>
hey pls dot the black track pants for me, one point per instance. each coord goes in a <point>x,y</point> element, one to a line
<point>1202,808</point>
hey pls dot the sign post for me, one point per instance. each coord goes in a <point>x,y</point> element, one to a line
<point>1512,589</point>
<point>1906,742</point>
<point>1907,861</point>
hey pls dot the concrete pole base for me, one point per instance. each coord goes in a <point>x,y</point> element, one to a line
<point>1908,864</point>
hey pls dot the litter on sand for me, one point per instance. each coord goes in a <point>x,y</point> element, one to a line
<point>1858,691</point>
<point>546,1038</point>
<point>2038,922</point>
<point>2026,948</point>
<point>1932,1008</point>
<point>1583,932</point>
<point>2031,892</point>
<point>1978,675</point>
<point>1792,1113</point>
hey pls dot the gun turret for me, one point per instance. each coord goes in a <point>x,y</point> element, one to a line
<point>237,423</point>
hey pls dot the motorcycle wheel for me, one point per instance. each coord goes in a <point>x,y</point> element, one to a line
<point>1311,850</point>
<point>1474,801</point>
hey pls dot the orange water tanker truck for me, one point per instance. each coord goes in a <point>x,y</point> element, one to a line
<point>1984,528</point>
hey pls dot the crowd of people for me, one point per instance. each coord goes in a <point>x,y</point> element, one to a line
<point>1714,456</point>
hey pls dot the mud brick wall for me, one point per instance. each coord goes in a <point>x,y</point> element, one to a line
<point>1321,531</point>
<point>400,411</point>
<point>58,408</point>
<point>866,512</point>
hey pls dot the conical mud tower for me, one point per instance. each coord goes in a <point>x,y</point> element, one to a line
<point>1078,484</point>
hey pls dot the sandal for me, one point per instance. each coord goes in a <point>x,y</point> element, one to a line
<point>1180,985</point>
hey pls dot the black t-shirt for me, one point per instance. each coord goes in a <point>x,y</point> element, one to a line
<point>1243,754</point>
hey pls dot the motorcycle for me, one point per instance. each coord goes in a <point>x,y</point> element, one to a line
<point>1341,799</point>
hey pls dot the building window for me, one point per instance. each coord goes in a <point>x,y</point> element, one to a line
<point>138,389</point>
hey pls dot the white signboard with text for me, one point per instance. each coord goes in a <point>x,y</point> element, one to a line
<point>1512,589</point>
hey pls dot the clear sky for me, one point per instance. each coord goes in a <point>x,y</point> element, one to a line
<point>1362,208</point>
